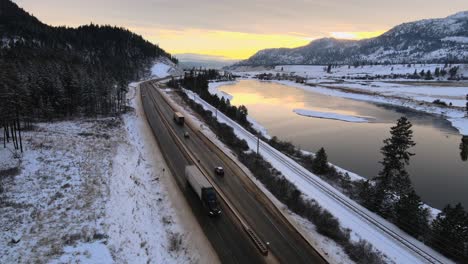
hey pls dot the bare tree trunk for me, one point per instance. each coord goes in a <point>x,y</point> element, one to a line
<point>7,133</point>
<point>19,133</point>
<point>13,136</point>
<point>4,135</point>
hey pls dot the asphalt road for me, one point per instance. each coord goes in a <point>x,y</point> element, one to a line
<point>225,233</point>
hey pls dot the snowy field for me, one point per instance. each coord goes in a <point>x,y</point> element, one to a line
<point>58,198</point>
<point>93,191</point>
<point>329,115</point>
<point>309,184</point>
<point>318,72</point>
<point>455,95</point>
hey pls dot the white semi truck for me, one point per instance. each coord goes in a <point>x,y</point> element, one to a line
<point>203,188</point>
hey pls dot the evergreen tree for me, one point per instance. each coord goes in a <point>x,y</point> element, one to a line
<point>437,72</point>
<point>411,216</point>
<point>320,165</point>
<point>450,232</point>
<point>393,178</point>
<point>467,105</point>
<point>453,72</point>
<point>366,194</point>
<point>464,148</point>
<point>428,75</point>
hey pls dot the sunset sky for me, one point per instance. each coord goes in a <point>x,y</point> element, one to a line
<point>236,29</point>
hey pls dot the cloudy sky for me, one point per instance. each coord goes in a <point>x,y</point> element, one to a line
<point>239,28</point>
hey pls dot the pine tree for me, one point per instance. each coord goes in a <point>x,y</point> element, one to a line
<point>450,232</point>
<point>320,165</point>
<point>437,72</point>
<point>411,216</point>
<point>393,178</point>
<point>428,75</point>
<point>464,148</point>
<point>467,105</point>
<point>366,194</point>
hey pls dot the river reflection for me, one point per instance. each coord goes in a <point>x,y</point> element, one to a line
<point>438,173</point>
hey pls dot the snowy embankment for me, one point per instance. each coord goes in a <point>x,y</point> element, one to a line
<point>329,115</point>
<point>364,225</point>
<point>455,95</point>
<point>164,67</point>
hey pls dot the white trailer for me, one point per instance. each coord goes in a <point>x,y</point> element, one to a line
<point>203,189</point>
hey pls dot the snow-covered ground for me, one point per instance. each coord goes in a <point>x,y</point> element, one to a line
<point>315,188</point>
<point>58,198</point>
<point>88,193</point>
<point>317,71</point>
<point>427,93</point>
<point>163,67</point>
<point>94,191</point>
<point>329,115</point>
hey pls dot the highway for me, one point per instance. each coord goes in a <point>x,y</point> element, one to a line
<point>243,205</point>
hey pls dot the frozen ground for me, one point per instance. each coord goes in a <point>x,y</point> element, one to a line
<point>335,116</point>
<point>58,198</point>
<point>317,71</point>
<point>164,67</point>
<point>420,92</point>
<point>93,191</point>
<point>368,228</point>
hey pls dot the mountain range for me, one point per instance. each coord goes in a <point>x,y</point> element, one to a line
<point>424,41</point>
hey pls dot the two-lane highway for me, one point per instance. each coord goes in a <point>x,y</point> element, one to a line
<point>225,232</point>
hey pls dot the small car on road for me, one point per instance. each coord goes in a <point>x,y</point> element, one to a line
<point>186,134</point>
<point>219,171</point>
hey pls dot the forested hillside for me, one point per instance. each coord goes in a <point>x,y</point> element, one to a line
<point>54,72</point>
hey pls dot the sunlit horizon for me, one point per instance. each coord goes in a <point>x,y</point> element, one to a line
<point>239,29</point>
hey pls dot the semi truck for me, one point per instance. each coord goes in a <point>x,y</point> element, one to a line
<point>179,118</point>
<point>203,188</point>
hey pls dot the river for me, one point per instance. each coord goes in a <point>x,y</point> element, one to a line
<point>438,173</point>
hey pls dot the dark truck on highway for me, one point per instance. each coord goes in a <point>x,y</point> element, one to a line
<point>203,188</point>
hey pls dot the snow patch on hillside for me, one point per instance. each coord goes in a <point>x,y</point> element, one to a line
<point>459,39</point>
<point>164,67</point>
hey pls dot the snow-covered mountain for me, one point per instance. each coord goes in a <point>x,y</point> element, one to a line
<point>428,40</point>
